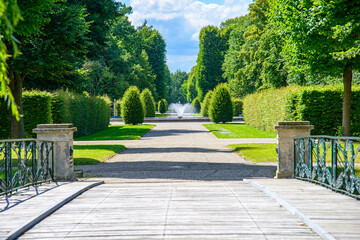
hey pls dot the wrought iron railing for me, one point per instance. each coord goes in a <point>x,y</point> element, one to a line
<point>330,161</point>
<point>25,162</point>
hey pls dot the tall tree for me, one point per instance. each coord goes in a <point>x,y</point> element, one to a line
<point>175,91</point>
<point>155,46</point>
<point>191,92</point>
<point>53,43</point>
<point>322,37</point>
<point>210,60</point>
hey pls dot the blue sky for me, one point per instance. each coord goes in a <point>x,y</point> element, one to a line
<point>180,22</point>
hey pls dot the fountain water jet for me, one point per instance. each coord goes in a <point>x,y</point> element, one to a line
<point>180,109</point>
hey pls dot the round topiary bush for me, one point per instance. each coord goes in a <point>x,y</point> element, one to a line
<point>148,103</point>
<point>162,106</point>
<point>132,110</point>
<point>196,105</point>
<point>206,104</point>
<point>221,107</point>
<point>238,106</point>
<point>118,107</point>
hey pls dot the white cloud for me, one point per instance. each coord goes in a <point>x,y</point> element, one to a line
<point>196,14</point>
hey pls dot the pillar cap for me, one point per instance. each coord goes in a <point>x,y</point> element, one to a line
<point>48,128</point>
<point>294,125</point>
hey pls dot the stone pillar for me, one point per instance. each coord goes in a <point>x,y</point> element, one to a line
<point>62,136</point>
<point>286,132</point>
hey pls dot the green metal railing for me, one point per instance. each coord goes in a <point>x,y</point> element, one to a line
<point>25,162</point>
<point>330,161</point>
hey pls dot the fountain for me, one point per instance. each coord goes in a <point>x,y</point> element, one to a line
<point>180,108</point>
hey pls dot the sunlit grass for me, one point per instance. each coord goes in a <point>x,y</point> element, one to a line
<point>94,154</point>
<point>237,130</point>
<point>256,152</point>
<point>118,132</point>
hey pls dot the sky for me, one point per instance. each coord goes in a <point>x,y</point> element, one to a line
<point>180,22</point>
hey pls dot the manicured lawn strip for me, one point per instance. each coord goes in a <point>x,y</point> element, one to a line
<point>256,152</point>
<point>118,132</point>
<point>161,115</point>
<point>237,130</point>
<point>94,154</point>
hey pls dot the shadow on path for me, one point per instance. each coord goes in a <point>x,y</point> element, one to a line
<point>202,171</point>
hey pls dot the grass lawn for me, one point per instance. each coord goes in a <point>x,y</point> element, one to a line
<point>118,132</point>
<point>94,154</point>
<point>256,152</point>
<point>237,130</point>
<point>161,115</point>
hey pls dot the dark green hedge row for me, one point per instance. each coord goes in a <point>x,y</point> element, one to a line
<point>88,114</point>
<point>320,105</point>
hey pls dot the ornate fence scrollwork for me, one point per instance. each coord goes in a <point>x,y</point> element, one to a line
<point>25,162</point>
<point>330,161</point>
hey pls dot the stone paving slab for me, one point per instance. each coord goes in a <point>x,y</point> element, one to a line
<point>31,205</point>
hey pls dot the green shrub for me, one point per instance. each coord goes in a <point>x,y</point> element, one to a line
<point>320,105</point>
<point>131,108</point>
<point>118,108</point>
<point>238,106</point>
<point>88,114</point>
<point>162,106</point>
<point>148,103</point>
<point>206,104</point>
<point>36,110</point>
<point>196,105</point>
<point>221,107</point>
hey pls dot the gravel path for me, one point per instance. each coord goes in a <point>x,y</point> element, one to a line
<point>178,151</point>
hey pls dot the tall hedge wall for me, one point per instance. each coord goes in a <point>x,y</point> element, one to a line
<point>88,114</point>
<point>320,105</point>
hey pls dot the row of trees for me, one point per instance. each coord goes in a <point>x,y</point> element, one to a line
<point>279,43</point>
<point>82,45</point>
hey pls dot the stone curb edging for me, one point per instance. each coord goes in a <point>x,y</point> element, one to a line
<point>305,219</point>
<point>18,232</point>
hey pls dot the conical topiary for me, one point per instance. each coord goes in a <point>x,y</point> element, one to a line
<point>238,106</point>
<point>221,107</point>
<point>206,104</point>
<point>196,105</point>
<point>132,110</point>
<point>162,106</point>
<point>148,103</point>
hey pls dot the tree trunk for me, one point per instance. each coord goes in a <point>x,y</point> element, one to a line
<point>16,83</point>
<point>347,79</point>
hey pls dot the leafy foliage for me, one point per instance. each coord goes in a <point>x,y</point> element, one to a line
<point>118,108</point>
<point>191,92</point>
<point>210,60</point>
<point>148,103</point>
<point>221,107</point>
<point>162,106</point>
<point>196,105</point>
<point>206,104</point>
<point>238,106</point>
<point>177,93</point>
<point>132,109</point>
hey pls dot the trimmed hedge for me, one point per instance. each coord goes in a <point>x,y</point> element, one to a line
<point>238,106</point>
<point>88,114</point>
<point>196,105</point>
<point>36,110</point>
<point>132,109</point>
<point>148,103</point>
<point>320,105</point>
<point>221,107</point>
<point>206,104</point>
<point>162,106</point>
<point>118,108</point>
